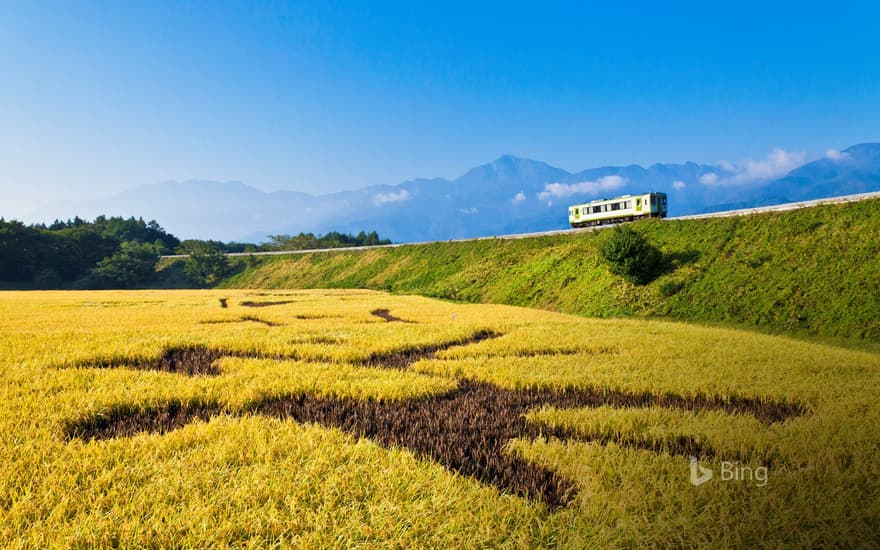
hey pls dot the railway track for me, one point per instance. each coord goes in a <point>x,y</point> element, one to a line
<point>725,214</point>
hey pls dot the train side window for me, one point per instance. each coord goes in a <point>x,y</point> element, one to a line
<point>597,209</point>
<point>615,206</point>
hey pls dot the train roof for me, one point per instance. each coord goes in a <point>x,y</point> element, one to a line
<point>623,197</point>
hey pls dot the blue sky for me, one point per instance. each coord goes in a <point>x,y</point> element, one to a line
<point>97,97</point>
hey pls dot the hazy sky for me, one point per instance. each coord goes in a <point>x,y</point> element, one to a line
<point>99,97</point>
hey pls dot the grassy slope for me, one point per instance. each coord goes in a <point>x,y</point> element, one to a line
<point>811,271</point>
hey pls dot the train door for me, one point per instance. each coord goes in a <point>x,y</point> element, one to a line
<point>638,204</point>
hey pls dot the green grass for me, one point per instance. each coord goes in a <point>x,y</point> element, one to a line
<point>809,272</point>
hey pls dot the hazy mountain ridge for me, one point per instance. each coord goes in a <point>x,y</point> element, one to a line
<point>510,194</point>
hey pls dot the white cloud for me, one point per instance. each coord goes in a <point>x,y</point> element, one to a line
<point>709,178</point>
<point>834,154</point>
<point>678,184</point>
<point>382,198</point>
<point>606,183</point>
<point>471,210</point>
<point>519,197</point>
<point>778,163</point>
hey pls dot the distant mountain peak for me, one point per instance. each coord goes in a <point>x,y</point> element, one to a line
<point>509,166</point>
<point>507,157</point>
<point>513,162</point>
<point>863,149</point>
<point>508,195</point>
<point>508,160</point>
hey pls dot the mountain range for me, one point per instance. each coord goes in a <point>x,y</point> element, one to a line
<point>508,195</point>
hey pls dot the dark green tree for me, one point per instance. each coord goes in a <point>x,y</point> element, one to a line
<point>631,256</point>
<point>206,266</point>
<point>53,256</point>
<point>333,239</point>
<point>133,266</point>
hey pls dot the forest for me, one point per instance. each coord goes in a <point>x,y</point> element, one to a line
<point>121,253</point>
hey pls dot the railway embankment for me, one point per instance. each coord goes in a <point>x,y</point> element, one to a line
<point>813,271</point>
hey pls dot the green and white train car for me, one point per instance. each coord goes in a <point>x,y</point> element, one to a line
<point>619,209</point>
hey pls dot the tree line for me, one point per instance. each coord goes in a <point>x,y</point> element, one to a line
<point>302,241</point>
<point>115,252</point>
<point>105,253</point>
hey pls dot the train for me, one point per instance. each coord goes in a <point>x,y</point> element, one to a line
<point>619,209</point>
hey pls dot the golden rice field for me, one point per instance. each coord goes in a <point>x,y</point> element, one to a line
<point>357,418</point>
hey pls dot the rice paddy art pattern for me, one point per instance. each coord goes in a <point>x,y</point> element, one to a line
<point>242,319</point>
<point>466,430</point>
<point>386,314</point>
<point>251,303</point>
<point>130,421</point>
